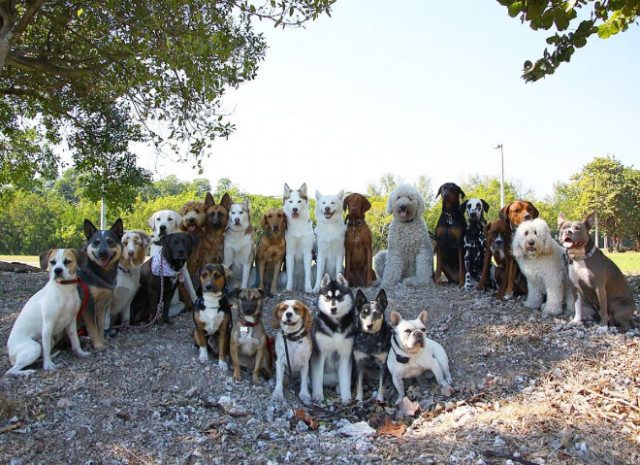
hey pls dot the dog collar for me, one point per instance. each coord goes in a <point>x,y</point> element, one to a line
<point>351,222</point>
<point>246,323</point>
<point>400,358</point>
<point>123,269</point>
<point>69,281</point>
<point>293,337</point>
<point>586,256</point>
<point>160,267</point>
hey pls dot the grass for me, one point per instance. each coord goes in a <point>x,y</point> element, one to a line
<point>629,262</point>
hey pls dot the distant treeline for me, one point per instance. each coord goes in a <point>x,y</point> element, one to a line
<point>32,221</point>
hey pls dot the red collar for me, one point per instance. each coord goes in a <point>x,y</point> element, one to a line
<point>70,281</point>
<point>244,322</point>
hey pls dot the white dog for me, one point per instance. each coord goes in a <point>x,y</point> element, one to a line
<point>298,237</point>
<point>294,320</point>
<point>238,242</point>
<point>48,312</point>
<point>330,232</point>
<point>164,222</point>
<point>409,254</point>
<point>541,260</point>
<point>412,353</point>
<point>134,250</point>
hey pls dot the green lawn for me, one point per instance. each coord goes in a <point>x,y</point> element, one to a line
<point>629,262</point>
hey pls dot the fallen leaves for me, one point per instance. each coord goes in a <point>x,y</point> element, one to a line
<point>303,416</point>
<point>391,428</point>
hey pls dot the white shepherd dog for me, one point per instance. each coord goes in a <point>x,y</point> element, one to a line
<point>299,236</point>
<point>238,242</point>
<point>330,232</point>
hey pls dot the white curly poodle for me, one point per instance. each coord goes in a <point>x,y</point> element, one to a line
<point>542,261</point>
<point>409,254</point>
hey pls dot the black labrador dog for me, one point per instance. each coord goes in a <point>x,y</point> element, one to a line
<point>159,278</point>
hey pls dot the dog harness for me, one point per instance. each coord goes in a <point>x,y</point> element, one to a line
<point>399,358</point>
<point>160,267</point>
<point>85,293</point>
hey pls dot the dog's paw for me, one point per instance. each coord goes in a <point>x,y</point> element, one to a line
<point>277,396</point>
<point>203,358</point>
<point>509,296</point>
<point>318,397</point>
<point>223,365</point>
<point>309,290</point>
<point>550,312</point>
<point>575,321</point>
<point>305,397</point>
<point>236,375</point>
<point>82,353</point>
<point>446,391</point>
<point>256,379</point>
<point>49,366</point>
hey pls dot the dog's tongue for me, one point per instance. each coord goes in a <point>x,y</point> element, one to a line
<point>191,228</point>
<point>104,261</point>
<point>295,215</point>
<point>403,214</point>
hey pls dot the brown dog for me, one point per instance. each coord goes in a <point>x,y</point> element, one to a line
<point>271,248</point>
<point>498,245</point>
<point>248,346</point>
<point>599,283</point>
<point>357,242</point>
<point>212,315</point>
<point>449,236</point>
<point>207,221</point>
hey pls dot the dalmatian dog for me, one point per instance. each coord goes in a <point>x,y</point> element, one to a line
<point>474,239</point>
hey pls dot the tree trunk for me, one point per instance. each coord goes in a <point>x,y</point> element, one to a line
<point>7,24</point>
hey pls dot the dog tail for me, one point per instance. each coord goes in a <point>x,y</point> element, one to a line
<point>379,263</point>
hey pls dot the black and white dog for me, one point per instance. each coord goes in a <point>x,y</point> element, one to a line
<point>372,341</point>
<point>474,240</point>
<point>333,334</point>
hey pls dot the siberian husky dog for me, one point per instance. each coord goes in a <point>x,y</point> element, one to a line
<point>238,242</point>
<point>330,232</point>
<point>299,236</point>
<point>333,333</point>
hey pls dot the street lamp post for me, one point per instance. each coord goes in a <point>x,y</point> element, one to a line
<point>499,146</point>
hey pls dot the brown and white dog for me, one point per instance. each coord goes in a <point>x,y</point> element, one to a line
<point>134,251</point>
<point>294,321</point>
<point>212,315</point>
<point>358,258</point>
<point>49,312</point>
<point>600,285</point>
<point>450,236</point>
<point>271,249</point>
<point>248,346</point>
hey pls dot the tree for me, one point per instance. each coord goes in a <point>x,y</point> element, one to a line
<point>602,18</point>
<point>161,67</point>
<point>488,189</point>
<point>423,184</point>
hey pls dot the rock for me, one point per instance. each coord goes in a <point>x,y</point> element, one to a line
<point>64,403</point>
<point>499,442</point>
<point>360,429</point>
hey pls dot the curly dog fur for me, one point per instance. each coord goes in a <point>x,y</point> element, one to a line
<point>542,261</point>
<point>409,254</point>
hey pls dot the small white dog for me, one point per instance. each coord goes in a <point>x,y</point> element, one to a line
<point>164,222</point>
<point>238,242</point>
<point>412,353</point>
<point>48,312</point>
<point>134,250</point>
<point>294,320</point>
<point>298,237</point>
<point>542,261</point>
<point>330,232</point>
<point>409,254</point>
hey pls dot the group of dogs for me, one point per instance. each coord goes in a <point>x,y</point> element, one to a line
<point>209,248</point>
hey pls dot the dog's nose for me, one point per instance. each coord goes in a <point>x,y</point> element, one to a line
<point>531,242</point>
<point>527,216</point>
<point>276,228</point>
<point>498,241</point>
<point>131,252</point>
<point>403,208</point>
<point>208,287</point>
<point>327,209</point>
<point>288,315</point>
<point>58,271</point>
<point>334,310</point>
<point>163,228</point>
<point>370,325</point>
<point>294,209</point>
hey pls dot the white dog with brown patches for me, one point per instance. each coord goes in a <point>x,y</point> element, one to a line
<point>294,319</point>
<point>238,243</point>
<point>413,353</point>
<point>48,313</point>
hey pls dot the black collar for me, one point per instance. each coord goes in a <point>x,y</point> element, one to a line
<point>123,269</point>
<point>351,222</point>
<point>296,336</point>
<point>399,358</point>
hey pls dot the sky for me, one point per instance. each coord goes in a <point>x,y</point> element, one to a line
<point>421,87</point>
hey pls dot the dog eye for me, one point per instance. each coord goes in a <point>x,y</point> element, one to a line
<point>66,261</point>
<point>424,330</point>
<point>157,219</point>
<point>526,233</point>
<point>170,219</point>
<point>96,242</point>
<point>52,262</point>
<point>408,331</point>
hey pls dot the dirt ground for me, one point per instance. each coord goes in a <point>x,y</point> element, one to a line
<point>527,390</point>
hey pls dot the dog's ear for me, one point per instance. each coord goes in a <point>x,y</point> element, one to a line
<point>164,240</point>
<point>195,240</point>
<point>264,220</point>
<point>367,204</point>
<point>394,319</point>
<point>590,220</point>
<point>326,279</point>
<point>209,201</point>
<point>245,203</point>
<point>81,258</point>
<point>152,222</point>
<point>381,298</point>
<point>225,201</point>
<point>144,237</point>
<point>504,212</point>
<point>534,211</point>
<point>485,206</point>
<point>439,191</point>
<point>516,244</point>
<point>463,207</point>
<point>118,228</point>
<point>44,259</point>
<point>275,316</point>
<point>228,274</point>
<point>423,316</point>
<point>341,280</point>
<point>307,320</point>
<point>303,189</point>
<point>286,191</point>
<point>361,299</point>
<point>390,204</point>
<point>341,195</point>
<point>562,219</point>
<point>261,292</point>
<point>547,240</point>
<point>235,293</point>
<point>461,192</point>
<point>345,202</point>
<point>89,229</point>
<point>318,195</point>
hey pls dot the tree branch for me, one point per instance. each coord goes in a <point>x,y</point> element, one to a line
<point>29,64</point>
<point>26,18</point>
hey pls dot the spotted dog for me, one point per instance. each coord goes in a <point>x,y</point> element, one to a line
<point>474,240</point>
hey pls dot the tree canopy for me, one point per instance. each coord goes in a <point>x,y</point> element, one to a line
<point>575,21</point>
<point>77,71</point>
